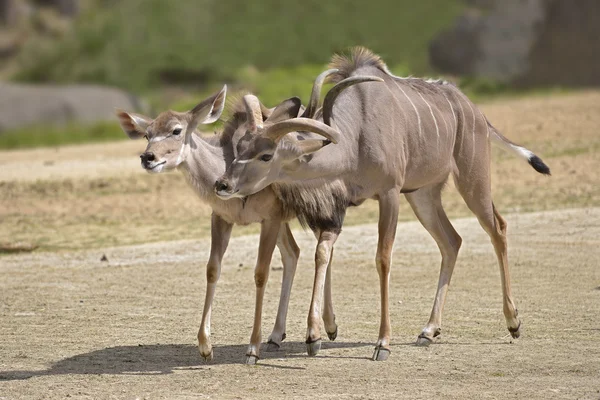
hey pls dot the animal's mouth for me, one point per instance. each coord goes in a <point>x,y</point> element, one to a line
<point>155,166</point>
<point>225,195</point>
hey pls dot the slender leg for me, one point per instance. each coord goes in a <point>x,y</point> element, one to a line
<point>268,239</point>
<point>427,205</point>
<point>328,314</point>
<point>289,256</point>
<point>477,195</point>
<point>388,219</point>
<point>322,258</point>
<point>473,180</point>
<point>220,234</point>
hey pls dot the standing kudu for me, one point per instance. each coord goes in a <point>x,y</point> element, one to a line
<point>174,143</point>
<point>399,136</point>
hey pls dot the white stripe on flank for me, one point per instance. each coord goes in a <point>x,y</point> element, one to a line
<point>437,129</point>
<point>445,123</point>
<point>473,133</point>
<point>462,128</point>
<point>473,114</point>
<point>413,104</point>
<point>451,109</point>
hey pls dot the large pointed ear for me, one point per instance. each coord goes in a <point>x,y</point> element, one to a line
<point>208,111</point>
<point>287,109</point>
<point>134,125</point>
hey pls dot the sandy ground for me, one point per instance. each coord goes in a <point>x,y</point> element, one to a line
<point>73,326</point>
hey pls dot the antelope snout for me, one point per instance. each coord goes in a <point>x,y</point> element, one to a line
<point>221,185</point>
<point>147,157</point>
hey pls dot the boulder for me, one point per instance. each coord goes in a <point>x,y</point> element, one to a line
<point>22,104</point>
<point>523,42</point>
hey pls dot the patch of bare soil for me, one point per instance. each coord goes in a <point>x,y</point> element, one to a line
<point>76,326</point>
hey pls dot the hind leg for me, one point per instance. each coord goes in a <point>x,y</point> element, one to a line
<point>289,256</point>
<point>427,205</point>
<point>476,191</point>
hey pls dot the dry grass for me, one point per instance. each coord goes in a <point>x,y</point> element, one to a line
<point>96,195</point>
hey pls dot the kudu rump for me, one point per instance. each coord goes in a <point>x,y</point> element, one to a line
<point>398,136</point>
<point>173,142</point>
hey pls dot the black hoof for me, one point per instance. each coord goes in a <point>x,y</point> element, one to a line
<point>250,360</point>
<point>423,341</point>
<point>312,348</point>
<point>333,334</point>
<point>272,346</point>
<point>515,332</point>
<point>381,354</point>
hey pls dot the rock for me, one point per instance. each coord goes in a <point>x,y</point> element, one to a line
<point>22,104</point>
<point>523,42</point>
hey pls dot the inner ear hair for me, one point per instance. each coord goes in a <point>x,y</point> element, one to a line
<point>134,125</point>
<point>287,109</point>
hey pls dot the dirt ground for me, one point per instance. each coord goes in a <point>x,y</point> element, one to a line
<point>74,326</point>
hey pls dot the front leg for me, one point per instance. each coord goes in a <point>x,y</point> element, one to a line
<point>268,239</point>
<point>322,258</point>
<point>220,234</point>
<point>388,219</point>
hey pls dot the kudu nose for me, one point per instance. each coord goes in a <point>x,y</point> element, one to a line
<point>146,157</point>
<point>221,185</point>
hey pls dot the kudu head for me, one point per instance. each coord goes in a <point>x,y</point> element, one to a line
<point>169,134</point>
<point>262,159</point>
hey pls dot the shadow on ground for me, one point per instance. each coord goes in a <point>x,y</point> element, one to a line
<point>163,359</point>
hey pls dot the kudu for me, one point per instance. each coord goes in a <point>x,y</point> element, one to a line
<point>174,143</point>
<point>400,136</point>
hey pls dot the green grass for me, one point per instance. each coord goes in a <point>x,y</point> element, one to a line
<point>46,136</point>
<point>141,45</point>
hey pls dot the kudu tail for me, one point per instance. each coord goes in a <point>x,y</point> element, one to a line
<point>520,151</point>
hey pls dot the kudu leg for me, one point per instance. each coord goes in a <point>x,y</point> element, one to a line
<point>268,239</point>
<point>328,314</point>
<point>322,259</point>
<point>388,219</point>
<point>427,205</point>
<point>290,252</point>
<point>220,234</point>
<point>477,195</point>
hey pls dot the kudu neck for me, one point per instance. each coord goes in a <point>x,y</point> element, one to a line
<point>203,165</point>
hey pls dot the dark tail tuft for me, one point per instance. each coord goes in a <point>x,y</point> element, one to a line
<point>539,165</point>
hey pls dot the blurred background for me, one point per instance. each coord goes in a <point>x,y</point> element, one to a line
<point>66,64</point>
<point>151,54</point>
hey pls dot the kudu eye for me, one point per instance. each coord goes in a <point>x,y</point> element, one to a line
<point>146,137</point>
<point>176,132</point>
<point>266,157</point>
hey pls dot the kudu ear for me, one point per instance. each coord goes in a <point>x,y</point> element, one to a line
<point>287,109</point>
<point>207,111</point>
<point>134,125</point>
